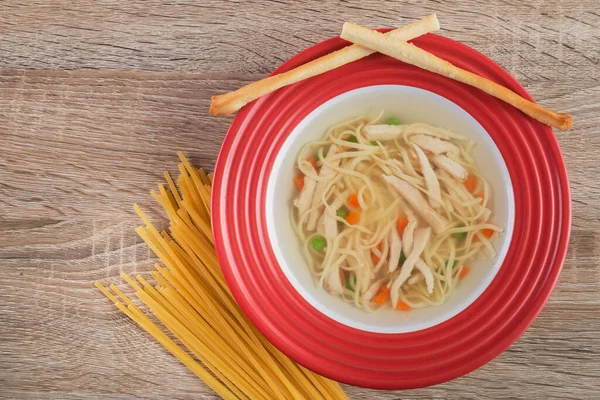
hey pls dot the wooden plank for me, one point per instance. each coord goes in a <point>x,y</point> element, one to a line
<point>539,40</point>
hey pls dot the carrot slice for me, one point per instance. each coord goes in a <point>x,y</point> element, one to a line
<point>470,183</point>
<point>487,232</point>
<point>463,272</point>
<point>353,200</point>
<point>383,295</point>
<point>479,195</point>
<point>401,225</point>
<point>299,181</point>
<point>375,258</point>
<point>402,306</point>
<point>353,217</point>
<point>312,161</point>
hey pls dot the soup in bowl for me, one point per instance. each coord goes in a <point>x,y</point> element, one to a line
<point>380,202</point>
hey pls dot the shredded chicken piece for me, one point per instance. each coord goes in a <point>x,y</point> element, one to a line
<point>384,132</point>
<point>426,271</point>
<point>395,249</point>
<point>407,237</point>
<point>449,165</point>
<point>389,132</point>
<point>333,284</point>
<point>422,236</point>
<point>434,145</point>
<point>430,130</point>
<point>373,289</point>
<point>321,225</point>
<point>416,200</point>
<point>431,180</point>
<point>304,199</point>
<point>330,224</point>
<point>416,277</point>
<point>326,172</point>
<point>331,229</point>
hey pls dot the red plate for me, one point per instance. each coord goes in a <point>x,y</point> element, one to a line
<point>391,361</point>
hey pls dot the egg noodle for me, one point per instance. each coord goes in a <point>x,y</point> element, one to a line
<point>370,194</point>
<point>190,299</point>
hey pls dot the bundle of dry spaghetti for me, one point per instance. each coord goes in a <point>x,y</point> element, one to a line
<point>191,300</point>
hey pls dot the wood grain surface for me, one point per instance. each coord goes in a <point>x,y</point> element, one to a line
<point>97,96</point>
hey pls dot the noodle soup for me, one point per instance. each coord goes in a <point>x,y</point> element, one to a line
<point>390,214</point>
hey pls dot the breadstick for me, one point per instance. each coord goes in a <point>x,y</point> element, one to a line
<point>229,103</point>
<point>413,55</point>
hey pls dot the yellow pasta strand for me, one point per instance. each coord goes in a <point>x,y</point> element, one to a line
<point>172,188</point>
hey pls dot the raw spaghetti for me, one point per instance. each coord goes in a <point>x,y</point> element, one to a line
<point>191,300</point>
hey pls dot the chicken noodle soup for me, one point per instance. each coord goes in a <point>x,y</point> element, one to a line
<point>390,214</point>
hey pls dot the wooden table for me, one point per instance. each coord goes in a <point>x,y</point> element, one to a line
<point>97,96</point>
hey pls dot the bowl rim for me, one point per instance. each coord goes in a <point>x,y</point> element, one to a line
<point>396,361</point>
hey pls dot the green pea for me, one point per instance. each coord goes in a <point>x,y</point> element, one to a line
<point>342,212</point>
<point>318,243</point>
<point>460,235</point>
<point>318,156</point>
<point>348,286</point>
<point>402,258</point>
<point>352,139</point>
<point>393,121</point>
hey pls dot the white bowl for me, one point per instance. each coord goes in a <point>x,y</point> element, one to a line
<point>410,105</point>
